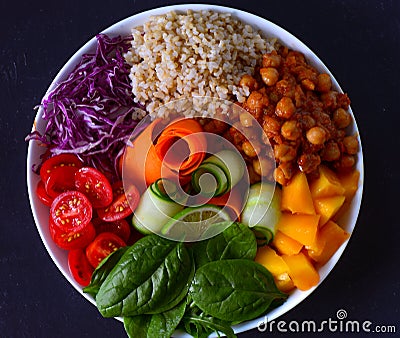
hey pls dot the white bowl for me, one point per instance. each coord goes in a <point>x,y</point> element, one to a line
<point>41,212</point>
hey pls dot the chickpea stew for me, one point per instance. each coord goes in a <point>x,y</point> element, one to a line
<point>303,117</point>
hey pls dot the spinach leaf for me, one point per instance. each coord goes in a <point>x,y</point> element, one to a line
<point>237,241</point>
<point>148,279</point>
<point>161,325</point>
<point>234,290</point>
<point>101,272</point>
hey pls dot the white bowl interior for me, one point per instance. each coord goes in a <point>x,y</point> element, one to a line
<point>41,212</point>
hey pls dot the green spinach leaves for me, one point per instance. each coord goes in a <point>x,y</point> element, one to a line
<point>159,285</point>
<point>150,277</point>
<point>234,290</point>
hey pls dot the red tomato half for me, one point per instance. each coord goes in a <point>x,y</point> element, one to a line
<point>70,215</point>
<point>104,244</point>
<point>120,228</point>
<point>60,179</point>
<point>124,203</point>
<point>41,193</point>
<point>80,267</point>
<point>95,186</point>
<point>62,160</point>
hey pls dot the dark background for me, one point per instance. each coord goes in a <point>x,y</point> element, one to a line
<point>358,40</point>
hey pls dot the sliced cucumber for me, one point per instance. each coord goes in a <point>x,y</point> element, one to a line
<point>263,207</point>
<point>155,208</point>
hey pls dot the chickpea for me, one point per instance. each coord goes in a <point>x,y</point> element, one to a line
<point>316,135</point>
<point>341,118</point>
<point>307,121</point>
<point>351,144</point>
<point>246,119</point>
<point>257,100</point>
<point>253,176</point>
<point>263,166</point>
<point>284,153</point>
<point>290,130</point>
<point>324,83</point>
<point>249,82</point>
<point>271,125</point>
<point>345,162</point>
<point>269,76</point>
<point>251,149</point>
<point>284,172</point>
<point>308,84</point>
<point>271,60</point>
<point>285,108</point>
<point>331,151</point>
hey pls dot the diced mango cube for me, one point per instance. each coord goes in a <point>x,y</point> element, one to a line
<point>326,185</point>
<point>296,196</point>
<point>349,181</point>
<point>327,207</point>
<point>274,263</point>
<point>333,236</point>
<point>301,271</point>
<point>302,228</point>
<point>285,244</point>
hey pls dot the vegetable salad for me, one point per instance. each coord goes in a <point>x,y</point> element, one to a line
<point>168,227</point>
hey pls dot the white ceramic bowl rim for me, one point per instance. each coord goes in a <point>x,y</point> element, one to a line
<point>40,212</point>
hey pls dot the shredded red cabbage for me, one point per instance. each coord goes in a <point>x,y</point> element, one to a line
<point>92,113</point>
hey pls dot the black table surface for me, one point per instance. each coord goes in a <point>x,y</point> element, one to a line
<point>358,40</point>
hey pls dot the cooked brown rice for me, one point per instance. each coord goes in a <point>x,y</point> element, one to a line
<point>195,54</point>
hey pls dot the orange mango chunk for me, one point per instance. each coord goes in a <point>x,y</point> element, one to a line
<point>285,244</point>
<point>333,236</point>
<point>327,207</point>
<point>326,185</point>
<point>301,271</point>
<point>275,264</point>
<point>302,228</point>
<point>296,196</point>
<point>349,181</point>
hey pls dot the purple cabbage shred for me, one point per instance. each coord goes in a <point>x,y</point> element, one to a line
<point>92,113</point>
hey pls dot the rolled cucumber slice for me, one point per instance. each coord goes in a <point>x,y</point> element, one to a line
<point>263,207</point>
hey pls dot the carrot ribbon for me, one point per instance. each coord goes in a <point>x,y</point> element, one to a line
<point>172,152</point>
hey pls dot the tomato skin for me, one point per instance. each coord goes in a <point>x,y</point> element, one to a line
<point>41,193</point>
<point>95,186</point>
<point>71,240</point>
<point>71,210</point>
<point>103,245</point>
<point>69,221</point>
<point>80,267</point>
<point>124,203</point>
<point>60,179</point>
<point>61,160</point>
<point>121,228</point>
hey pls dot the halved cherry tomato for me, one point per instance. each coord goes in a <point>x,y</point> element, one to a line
<point>121,228</point>
<point>80,267</point>
<point>104,244</point>
<point>42,194</point>
<point>70,215</point>
<point>124,203</point>
<point>60,179</point>
<point>95,186</point>
<point>62,160</point>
